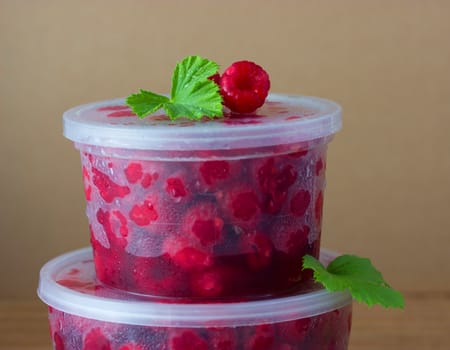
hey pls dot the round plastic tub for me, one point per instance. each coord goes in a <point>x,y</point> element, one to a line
<point>86,315</point>
<point>210,208</point>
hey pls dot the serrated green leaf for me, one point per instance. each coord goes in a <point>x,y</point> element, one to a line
<point>145,102</point>
<point>359,276</point>
<point>189,72</point>
<point>193,95</point>
<point>202,100</point>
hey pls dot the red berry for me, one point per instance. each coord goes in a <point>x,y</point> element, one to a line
<point>222,338</point>
<point>95,340</point>
<point>186,340</point>
<point>300,202</point>
<point>175,187</point>
<point>133,172</point>
<point>262,339</point>
<point>319,166</point>
<point>215,78</point>
<point>243,206</point>
<point>144,214</point>
<point>215,170</point>
<point>184,254</point>
<point>58,341</point>
<point>147,180</point>
<point>258,248</point>
<point>244,86</point>
<point>294,332</point>
<point>207,284</point>
<point>203,222</point>
<point>108,189</point>
<point>274,182</point>
<point>291,239</point>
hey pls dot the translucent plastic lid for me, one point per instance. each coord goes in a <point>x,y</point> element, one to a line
<point>68,283</point>
<point>282,119</point>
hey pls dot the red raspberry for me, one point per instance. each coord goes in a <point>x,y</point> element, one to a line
<point>58,341</point>
<point>207,284</point>
<point>294,332</point>
<point>300,202</point>
<point>215,170</point>
<point>319,166</point>
<point>185,255</point>
<point>245,205</point>
<point>186,340</point>
<point>203,222</point>
<point>144,214</point>
<point>147,180</point>
<point>274,181</point>
<point>291,239</point>
<point>133,172</point>
<point>175,187</point>
<point>108,189</point>
<point>95,340</point>
<point>242,205</point>
<point>244,86</point>
<point>262,339</point>
<point>258,248</point>
<point>222,338</point>
<point>158,276</point>
<point>215,78</point>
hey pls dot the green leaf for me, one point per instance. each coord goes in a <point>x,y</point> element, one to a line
<point>189,72</point>
<point>203,99</point>
<point>358,276</point>
<point>193,95</point>
<point>145,102</point>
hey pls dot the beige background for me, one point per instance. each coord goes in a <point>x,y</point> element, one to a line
<point>387,62</point>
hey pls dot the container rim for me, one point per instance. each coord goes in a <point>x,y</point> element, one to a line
<point>148,313</point>
<point>88,124</point>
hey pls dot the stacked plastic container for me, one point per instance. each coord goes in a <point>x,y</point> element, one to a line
<point>198,229</point>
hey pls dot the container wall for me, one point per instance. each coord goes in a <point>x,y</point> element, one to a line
<point>204,225</point>
<point>327,331</point>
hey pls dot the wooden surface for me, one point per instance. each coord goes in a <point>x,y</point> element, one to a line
<point>425,324</point>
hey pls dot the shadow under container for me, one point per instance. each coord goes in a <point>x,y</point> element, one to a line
<point>204,209</point>
<point>85,315</point>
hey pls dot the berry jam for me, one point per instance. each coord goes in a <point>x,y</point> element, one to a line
<point>322,332</point>
<point>208,227</point>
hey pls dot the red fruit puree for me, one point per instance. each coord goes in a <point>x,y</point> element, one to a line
<point>329,331</point>
<point>219,228</point>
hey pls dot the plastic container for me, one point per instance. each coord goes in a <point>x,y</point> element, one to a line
<point>86,315</point>
<point>206,209</point>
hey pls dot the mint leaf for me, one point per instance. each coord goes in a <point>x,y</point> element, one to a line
<point>359,276</point>
<point>192,96</point>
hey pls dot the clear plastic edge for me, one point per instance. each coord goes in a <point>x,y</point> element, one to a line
<point>143,138</point>
<point>146,313</point>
